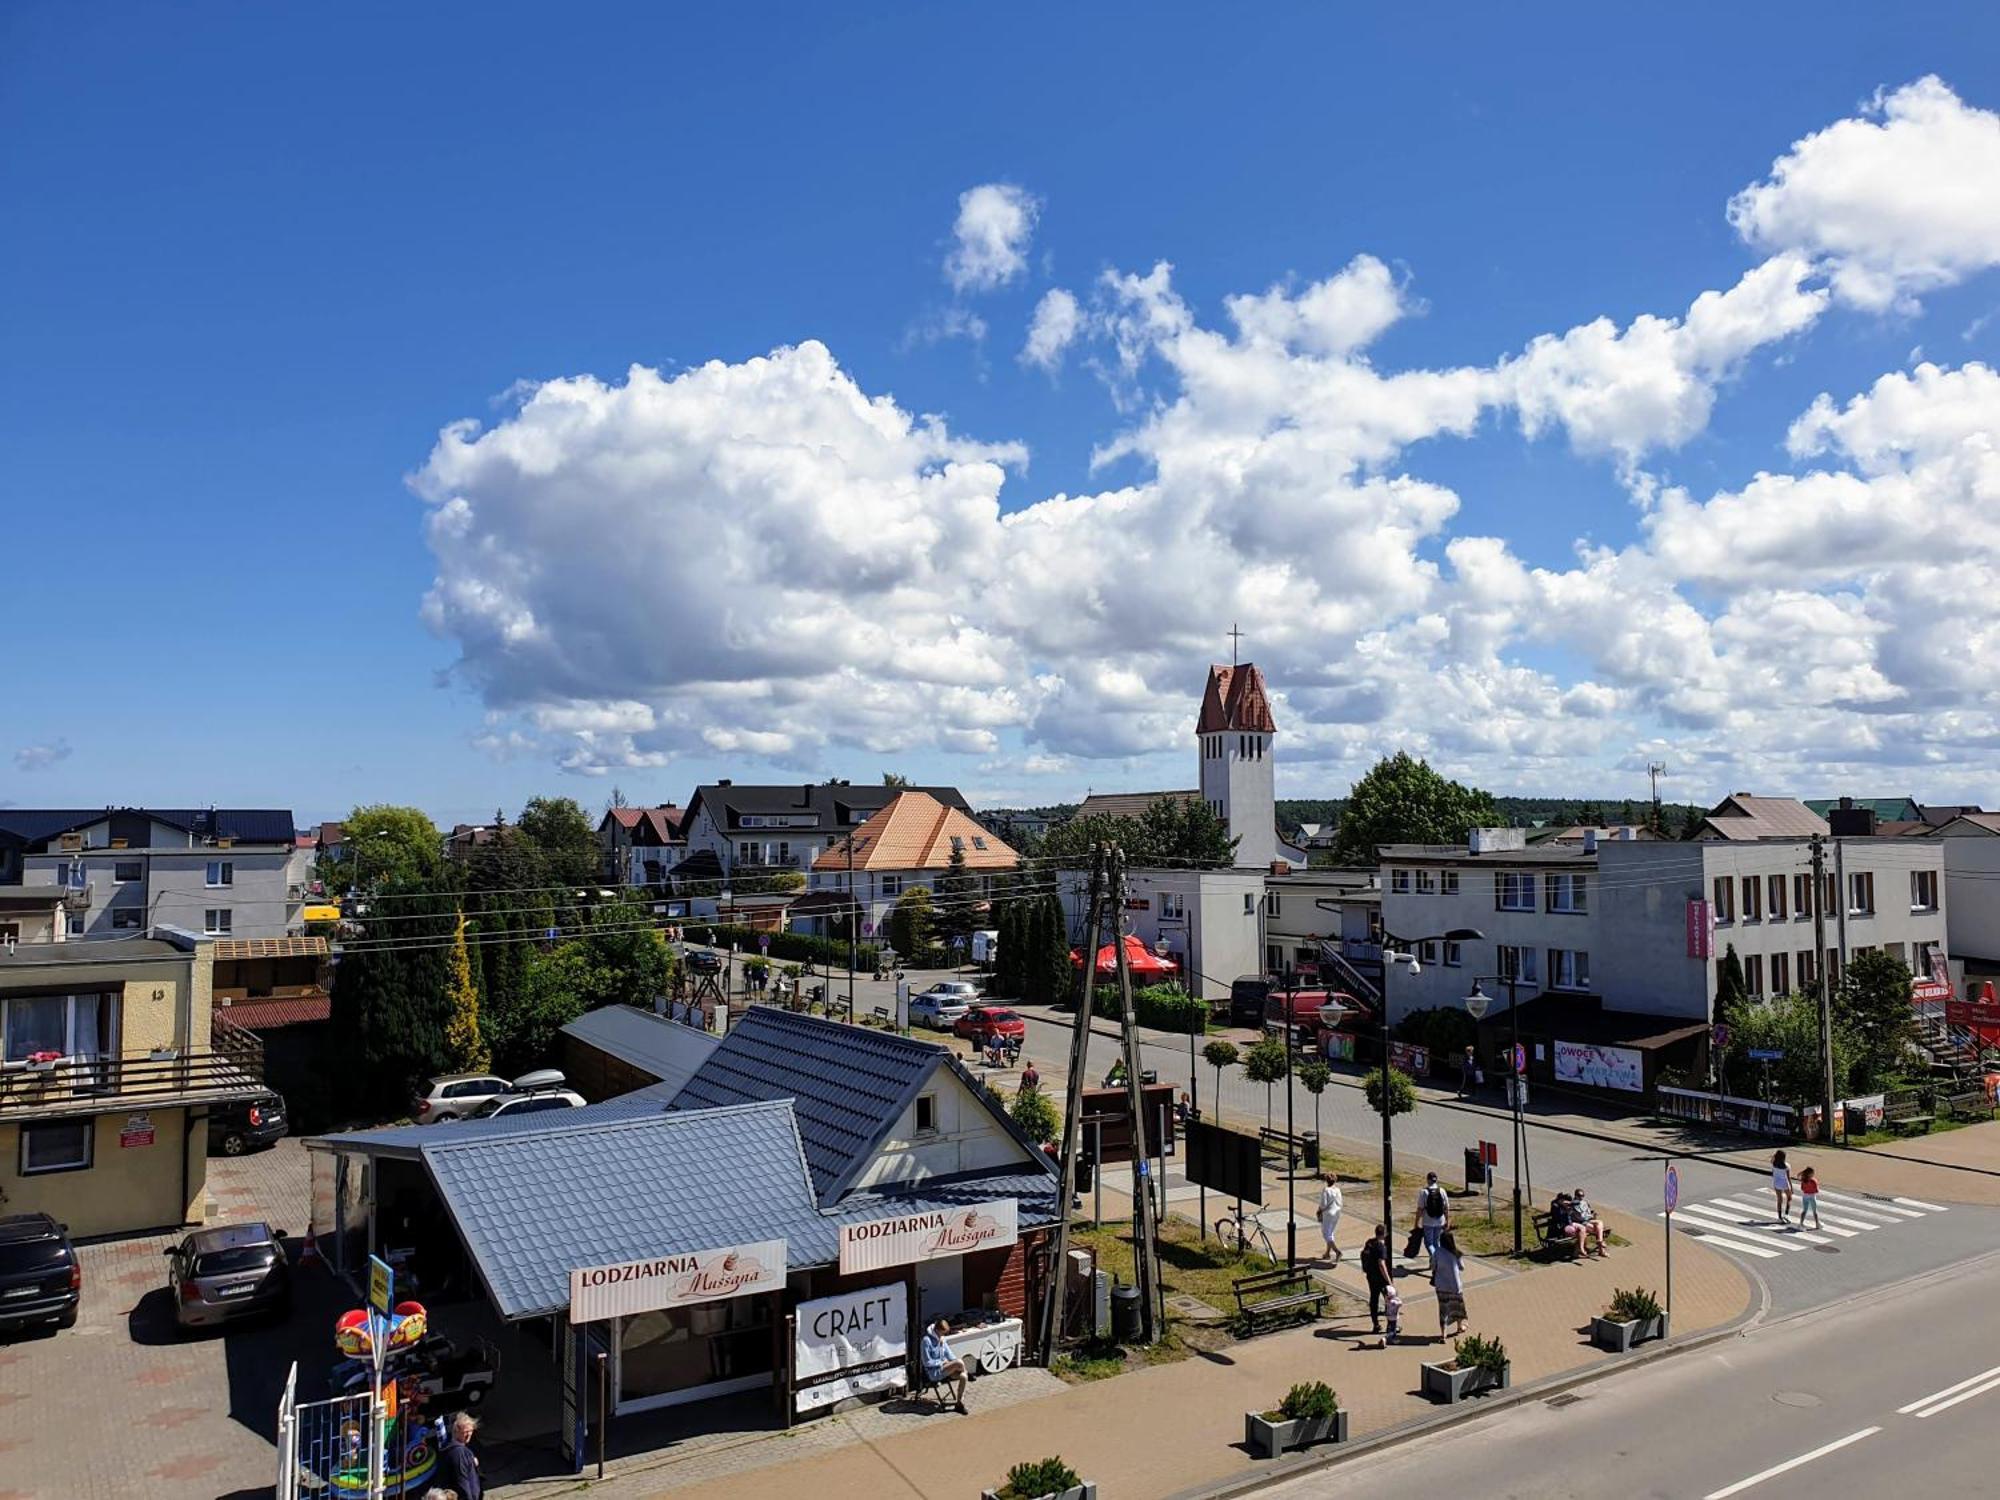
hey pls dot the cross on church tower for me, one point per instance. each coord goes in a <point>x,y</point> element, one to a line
<point>1235,635</point>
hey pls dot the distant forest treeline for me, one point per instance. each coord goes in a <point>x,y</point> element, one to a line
<point>1520,812</point>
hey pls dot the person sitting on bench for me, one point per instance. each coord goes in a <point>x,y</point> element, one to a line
<point>941,1366</point>
<point>1584,1223</point>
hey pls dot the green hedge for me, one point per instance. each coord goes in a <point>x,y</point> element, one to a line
<point>1447,1030</point>
<point>1159,1006</point>
<point>794,946</point>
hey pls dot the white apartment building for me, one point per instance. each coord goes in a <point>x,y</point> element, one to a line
<point>1208,921</point>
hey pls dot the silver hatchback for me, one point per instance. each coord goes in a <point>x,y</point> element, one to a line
<point>229,1272</point>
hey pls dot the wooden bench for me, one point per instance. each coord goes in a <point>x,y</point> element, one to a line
<point>1964,1105</point>
<point>882,1012</point>
<point>1277,1295</point>
<point>1907,1114</point>
<point>1553,1238</point>
<point>1283,1143</point>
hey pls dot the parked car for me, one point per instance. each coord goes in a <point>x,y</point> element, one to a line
<point>241,1124</point>
<point>41,1280</point>
<point>530,1094</point>
<point>454,1096</point>
<point>940,1006</point>
<point>984,1022</point>
<point>231,1271</point>
<point>1246,999</point>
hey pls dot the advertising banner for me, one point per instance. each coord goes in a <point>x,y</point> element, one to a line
<point>1601,1067</point>
<point>638,1286</point>
<point>906,1238</point>
<point>1340,1046</point>
<point>1700,930</point>
<point>1410,1058</point>
<point>869,1327</point>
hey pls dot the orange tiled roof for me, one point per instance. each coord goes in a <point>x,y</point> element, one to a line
<point>916,832</point>
<point>1235,700</point>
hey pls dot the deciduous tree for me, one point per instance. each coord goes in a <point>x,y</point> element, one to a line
<point>1401,800</point>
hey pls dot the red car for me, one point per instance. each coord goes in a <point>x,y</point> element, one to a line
<point>984,1022</point>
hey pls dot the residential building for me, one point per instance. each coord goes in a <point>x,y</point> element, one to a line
<point>1619,944</point>
<point>1740,818</point>
<point>110,1054</point>
<point>223,872</point>
<point>1971,851</point>
<point>1325,926</point>
<point>911,842</point>
<point>1210,922</point>
<point>467,839</point>
<point>755,830</point>
<point>33,914</point>
<point>641,844</point>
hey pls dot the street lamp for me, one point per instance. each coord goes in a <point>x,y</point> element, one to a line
<point>1477,1003</point>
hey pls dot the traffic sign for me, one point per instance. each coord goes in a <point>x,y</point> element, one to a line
<point>1673,1195</point>
<point>381,1285</point>
<point>1520,1058</point>
<point>1489,1153</point>
<point>1767,1054</point>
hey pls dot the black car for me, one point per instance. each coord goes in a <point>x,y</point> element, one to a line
<point>41,1280</point>
<point>1246,1000</point>
<point>240,1124</point>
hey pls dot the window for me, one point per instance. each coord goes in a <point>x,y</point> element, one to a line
<point>978,841</point>
<point>127,870</point>
<point>784,852</point>
<point>1172,904</point>
<point>123,917</point>
<point>1249,903</point>
<point>10,932</point>
<point>1427,952</point>
<point>750,854</point>
<point>957,843</point>
<point>218,921</point>
<point>1802,896</point>
<point>1781,974</point>
<point>1830,900</point>
<point>1513,891</point>
<point>1776,885</point>
<point>1861,894</point>
<point>1569,969</point>
<point>35,1023</point>
<point>1426,882</point>
<point>1923,890</point>
<point>1519,963</point>
<point>74,925</point>
<point>926,1114</point>
<point>892,885</point>
<point>1399,882</point>
<point>1752,901</point>
<point>1925,952</point>
<point>1273,904</point>
<point>1725,900</point>
<point>221,872</point>
<point>1833,966</point>
<point>1565,893</point>
<point>1448,882</point>
<point>1454,955</point>
<point>55,1146</point>
<point>1753,974</point>
<point>1806,970</point>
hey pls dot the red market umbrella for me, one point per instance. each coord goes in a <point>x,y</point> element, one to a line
<point>1144,964</point>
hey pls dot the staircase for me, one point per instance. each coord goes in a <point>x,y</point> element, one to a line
<point>1352,980</point>
<point>1951,1049</point>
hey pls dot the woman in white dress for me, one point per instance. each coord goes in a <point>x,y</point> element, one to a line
<point>1330,1206</point>
<point>1781,1186</point>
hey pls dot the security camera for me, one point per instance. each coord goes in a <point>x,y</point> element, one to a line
<point>1415,968</point>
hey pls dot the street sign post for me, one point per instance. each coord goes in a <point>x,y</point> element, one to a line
<point>1489,1158</point>
<point>1767,1054</point>
<point>1672,1196</point>
<point>1520,1059</point>
<point>381,1300</point>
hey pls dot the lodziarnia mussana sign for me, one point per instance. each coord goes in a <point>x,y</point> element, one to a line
<point>637,1286</point>
<point>930,1235</point>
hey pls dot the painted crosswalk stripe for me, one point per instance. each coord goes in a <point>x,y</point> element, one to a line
<point>1702,1218</point>
<point>1936,1208</point>
<point>1741,1246</point>
<point>1977,1390</point>
<point>1757,1211</point>
<point>1950,1390</point>
<point>1875,1206</point>
<point>1751,1218</point>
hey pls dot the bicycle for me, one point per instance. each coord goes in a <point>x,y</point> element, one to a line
<point>1241,1233</point>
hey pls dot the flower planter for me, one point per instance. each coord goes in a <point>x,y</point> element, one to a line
<point>1087,1490</point>
<point>1619,1337</point>
<point>1450,1383</point>
<point>1267,1438</point>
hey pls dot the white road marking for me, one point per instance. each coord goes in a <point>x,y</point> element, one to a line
<point>1790,1464</point>
<point>1834,1219</point>
<point>1977,1390</point>
<point>1754,1219</point>
<point>1904,1411</point>
<point>1714,1218</point>
<point>1879,1209</point>
<point>1936,1208</point>
<point>1722,1237</point>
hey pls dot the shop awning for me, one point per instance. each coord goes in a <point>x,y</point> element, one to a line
<point>1142,961</point>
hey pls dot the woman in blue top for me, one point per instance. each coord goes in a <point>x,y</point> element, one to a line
<point>941,1366</point>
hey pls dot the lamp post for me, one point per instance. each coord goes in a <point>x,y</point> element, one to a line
<point>1477,1003</point>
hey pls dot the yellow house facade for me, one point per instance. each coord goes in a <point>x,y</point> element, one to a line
<point>109,1060</point>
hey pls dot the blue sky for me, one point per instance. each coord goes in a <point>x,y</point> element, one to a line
<point>258,257</point>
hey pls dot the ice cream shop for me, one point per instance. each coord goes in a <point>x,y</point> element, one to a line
<point>784,1219</point>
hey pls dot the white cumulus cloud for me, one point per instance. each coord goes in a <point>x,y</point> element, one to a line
<point>996,222</point>
<point>1057,321</point>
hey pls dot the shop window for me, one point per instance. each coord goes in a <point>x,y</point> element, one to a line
<point>927,1114</point>
<point>55,1146</point>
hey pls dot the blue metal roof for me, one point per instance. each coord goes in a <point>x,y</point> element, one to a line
<point>533,1205</point>
<point>669,1050</point>
<point>848,1083</point>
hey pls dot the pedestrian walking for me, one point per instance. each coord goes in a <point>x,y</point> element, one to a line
<point>1031,1076</point>
<point>1375,1268</point>
<point>1809,1196</point>
<point>1330,1205</point>
<point>1433,1213</point>
<point>1781,1186</point>
<point>1468,1070</point>
<point>458,1465</point>
<point>1392,1305</point>
<point>1448,1279</point>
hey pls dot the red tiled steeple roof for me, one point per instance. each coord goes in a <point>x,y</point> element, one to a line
<point>1235,701</point>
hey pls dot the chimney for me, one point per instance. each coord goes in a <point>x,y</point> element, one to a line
<point>1590,841</point>
<point>1625,833</point>
<point>725,781</point>
<point>1496,840</point>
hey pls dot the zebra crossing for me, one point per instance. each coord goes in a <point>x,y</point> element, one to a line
<point>1747,1222</point>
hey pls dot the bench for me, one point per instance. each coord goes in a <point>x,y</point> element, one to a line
<point>1907,1114</point>
<point>882,1013</point>
<point>1963,1105</point>
<point>1553,1238</point>
<point>1277,1295</point>
<point>1285,1144</point>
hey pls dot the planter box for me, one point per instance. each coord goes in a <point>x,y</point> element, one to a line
<point>1443,1383</point>
<point>1268,1439</point>
<point>1619,1337</point>
<point>1084,1491</point>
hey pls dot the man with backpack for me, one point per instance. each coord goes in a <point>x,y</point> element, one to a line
<point>1433,1213</point>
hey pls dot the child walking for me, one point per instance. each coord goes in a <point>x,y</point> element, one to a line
<point>1809,1197</point>
<point>1392,1305</point>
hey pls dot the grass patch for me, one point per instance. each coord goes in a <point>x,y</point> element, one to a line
<point>1495,1240</point>
<point>1888,1137</point>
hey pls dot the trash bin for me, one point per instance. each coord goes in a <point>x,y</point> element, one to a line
<point>1126,1321</point>
<point>1309,1143</point>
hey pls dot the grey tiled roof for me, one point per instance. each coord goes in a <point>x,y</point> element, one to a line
<point>532,1205</point>
<point>667,1049</point>
<point>849,1083</point>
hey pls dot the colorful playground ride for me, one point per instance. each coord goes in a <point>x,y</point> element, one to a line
<point>354,1333</point>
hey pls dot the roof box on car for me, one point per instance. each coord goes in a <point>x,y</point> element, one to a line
<point>541,1078</point>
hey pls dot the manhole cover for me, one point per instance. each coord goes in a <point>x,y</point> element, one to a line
<point>1566,1399</point>
<point>1796,1398</point>
<point>1827,1249</point>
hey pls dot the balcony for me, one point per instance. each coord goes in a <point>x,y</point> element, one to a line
<point>94,1082</point>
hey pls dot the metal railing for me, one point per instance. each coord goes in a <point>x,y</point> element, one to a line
<point>62,1085</point>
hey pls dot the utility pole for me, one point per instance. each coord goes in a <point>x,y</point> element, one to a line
<point>1825,983</point>
<point>1145,1239</point>
<point>1053,1322</point>
<point>1654,771</point>
<point>853,929</point>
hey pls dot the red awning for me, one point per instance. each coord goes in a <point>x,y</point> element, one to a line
<point>1143,964</point>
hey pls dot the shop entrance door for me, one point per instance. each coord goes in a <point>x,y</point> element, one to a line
<point>940,1289</point>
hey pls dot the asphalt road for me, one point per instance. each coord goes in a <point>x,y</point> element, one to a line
<point>1894,1394</point>
<point>1877,1245</point>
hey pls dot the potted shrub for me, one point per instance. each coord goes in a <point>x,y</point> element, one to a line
<point>1633,1317</point>
<point>1042,1479</point>
<point>1476,1364</point>
<point>1310,1413</point>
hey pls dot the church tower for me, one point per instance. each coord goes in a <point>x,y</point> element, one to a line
<point>1233,740</point>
